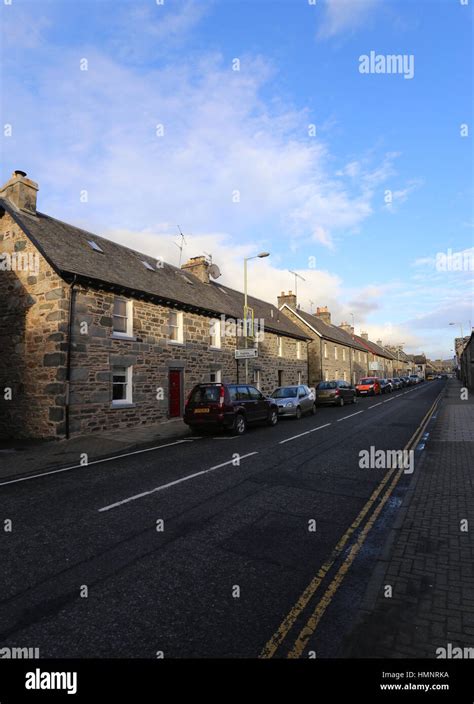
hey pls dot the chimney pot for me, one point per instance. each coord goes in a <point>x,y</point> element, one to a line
<point>199,266</point>
<point>324,315</point>
<point>288,298</point>
<point>21,191</point>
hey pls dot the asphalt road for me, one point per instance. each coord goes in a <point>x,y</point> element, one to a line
<point>220,564</point>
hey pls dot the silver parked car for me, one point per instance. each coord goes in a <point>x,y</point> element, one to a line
<point>294,400</point>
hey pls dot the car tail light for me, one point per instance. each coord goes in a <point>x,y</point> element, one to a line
<point>336,393</point>
<point>221,396</point>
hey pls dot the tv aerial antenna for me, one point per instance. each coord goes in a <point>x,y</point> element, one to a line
<point>181,245</point>
<point>297,276</point>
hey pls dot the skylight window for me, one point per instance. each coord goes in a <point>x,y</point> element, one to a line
<point>147,265</point>
<point>93,245</point>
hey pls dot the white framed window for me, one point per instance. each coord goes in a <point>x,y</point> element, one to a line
<point>359,356</point>
<point>122,325</point>
<point>344,376</point>
<point>298,350</point>
<point>215,377</point>
<point>336,374</point>
<point>280,346</point>
<point>343,354</point>
<point>299,378</point>
<point>175,322</point>
<point>335,352</point>
<point>325,351</point>
<point>215,333</point>
<point>256,378</point>
<point>326,375</point>
<point>122,385</point>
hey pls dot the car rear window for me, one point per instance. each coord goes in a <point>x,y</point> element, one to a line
<point>366,381</point>
<point>285,392</point>
<point>327,385</point>
<point>205,394</point>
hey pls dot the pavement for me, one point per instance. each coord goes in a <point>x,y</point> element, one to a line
<point>429,555</point>
<point>255,546</point>
<point>26,457</point>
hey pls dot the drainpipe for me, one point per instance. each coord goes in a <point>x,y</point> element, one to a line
<point>307,359</point>
<point>68,353</point>
<point>321,356</point>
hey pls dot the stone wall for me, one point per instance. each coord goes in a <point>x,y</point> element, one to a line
<point>152,355</point>
<point>33,333</point>
<point>330,360</point>
<point>34,313</point>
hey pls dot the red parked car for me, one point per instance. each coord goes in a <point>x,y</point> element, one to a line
<point>370,385</point>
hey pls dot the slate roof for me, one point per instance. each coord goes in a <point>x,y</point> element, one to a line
<point>329,332</point>
<point>374,348</point>
<point>66,249</point>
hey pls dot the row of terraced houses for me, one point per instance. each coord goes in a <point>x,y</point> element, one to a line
<point>96,336</point>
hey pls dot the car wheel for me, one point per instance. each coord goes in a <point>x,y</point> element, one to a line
<point>272,417</point>
<point>240,424</point>
<point>341,402</point>
<point>298,413</point>
<point>354,399</point>
<point>313,409</point>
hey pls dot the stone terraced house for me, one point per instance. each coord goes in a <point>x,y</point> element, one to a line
<point>381,362</point>
<point>333,352</point>
<point>96,336</point>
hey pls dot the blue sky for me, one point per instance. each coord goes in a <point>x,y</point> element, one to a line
<point>160,131</point>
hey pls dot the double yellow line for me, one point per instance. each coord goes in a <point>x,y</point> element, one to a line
<point>308,630</point>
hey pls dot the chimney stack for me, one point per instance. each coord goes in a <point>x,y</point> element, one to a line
<point>379,343</point>
<point>288,298</point>
<point>199,266</point>
<point>364,335</point>
<point>347,328</point>
<point>324,314</point>
<point>21,191</point>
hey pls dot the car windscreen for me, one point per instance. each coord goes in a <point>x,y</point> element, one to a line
<point>366,381</point>
<point>285,392</point>
<point>205,394</point>
<point>327,385</point>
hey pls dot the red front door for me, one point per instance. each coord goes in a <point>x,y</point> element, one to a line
<point>175,376</point>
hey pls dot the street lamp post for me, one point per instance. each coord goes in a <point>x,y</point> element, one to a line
<point>246,259</point>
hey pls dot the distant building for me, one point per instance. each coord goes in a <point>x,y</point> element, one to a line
<point>333,352</point>
<point>467,363</point>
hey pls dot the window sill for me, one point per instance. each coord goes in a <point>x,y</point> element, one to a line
<point>127,338</point>
<point>122,404</point>
<point>217,349</point>
<point>176,343</point>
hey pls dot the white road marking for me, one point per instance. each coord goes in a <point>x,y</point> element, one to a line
<point>227,437</point>
<point>388,399</point>
<point>349,416</point>
<point>106,459</point>
<point>177,481</point>
<point>375,404</point>
<point>294,437</point>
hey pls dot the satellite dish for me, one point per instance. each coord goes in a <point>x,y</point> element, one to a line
<point>214,271</point>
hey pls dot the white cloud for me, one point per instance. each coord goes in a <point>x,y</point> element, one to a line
<point>97,131</point>
<point>401,195</point>
<point>344,16</point>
